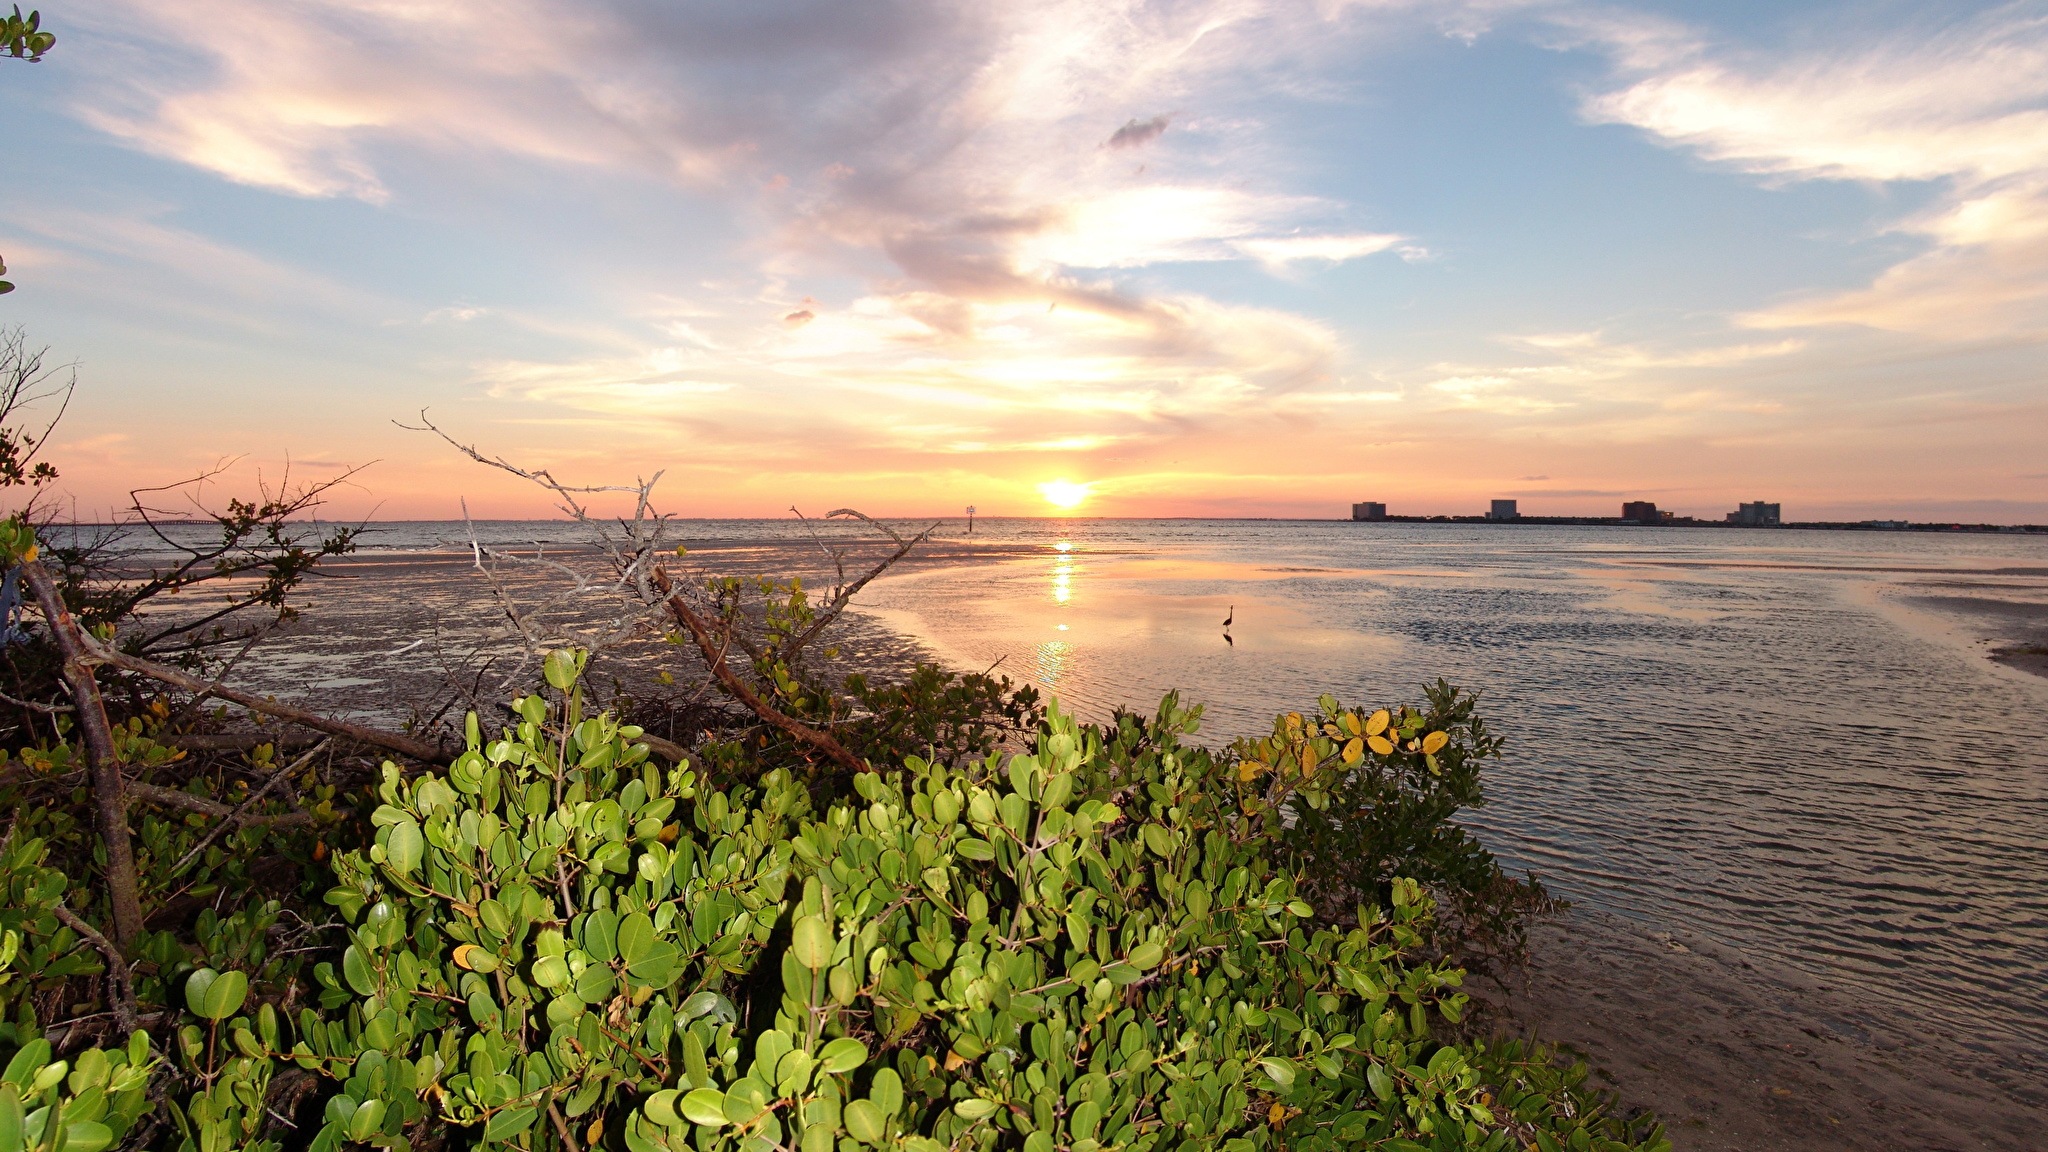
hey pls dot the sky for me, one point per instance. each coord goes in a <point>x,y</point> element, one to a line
<point>1209,258</point>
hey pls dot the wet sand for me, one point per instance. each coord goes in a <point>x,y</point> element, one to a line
<point>1736,1054</point>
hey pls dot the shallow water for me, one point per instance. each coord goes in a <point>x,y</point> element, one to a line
<point>1789,741</point>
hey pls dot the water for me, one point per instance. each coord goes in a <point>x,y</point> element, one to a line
<point>1789,741</point>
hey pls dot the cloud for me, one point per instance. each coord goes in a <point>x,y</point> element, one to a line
<point>1138,133</point>
<point>944,157</point>
<point>1283,251</point>
<point>1532,493</point>
<point>1960,106</point>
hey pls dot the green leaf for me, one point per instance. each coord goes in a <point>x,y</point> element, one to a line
<point>975,1109</point>
<point>87,1136</point>
<point>561,668</point>
<point>661,1107</point>
<point>357,971</point>
<point>600,934</point>
<point>886,1090</point>
<point>219,996</point>
<point>635,938</point>
<point>864,1122</point>
<point>1282,1072</point>
<point>595,985</point>
<point>704,1106</point>
<point>551,971</point>
<point>974,849</point>
<point>195,990</point>
<point>1146,957</point>
<point>510,1122</point>
<point>368,1117</point>
<point>405,846</point>
<point>843,1055</point>
<point>811,941</point>
<point>1376,1077</point>
<point>657,968</point>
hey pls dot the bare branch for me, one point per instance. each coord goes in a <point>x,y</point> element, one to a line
<point>714,655</point>
<point>238,816</point>
<point>118,972</point>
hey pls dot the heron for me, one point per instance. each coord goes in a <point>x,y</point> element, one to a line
<point>1232,616</point>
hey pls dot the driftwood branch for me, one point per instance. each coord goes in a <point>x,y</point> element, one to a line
<point>172,798</point>
<point>377,738</point>
<point>110,804</point>
<point>714,657</point>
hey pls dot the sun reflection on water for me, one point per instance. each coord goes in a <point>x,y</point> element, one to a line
<point>1052,661</point>
<point>1062,574</point>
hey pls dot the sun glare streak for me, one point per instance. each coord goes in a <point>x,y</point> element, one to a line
<point>1064,493</point>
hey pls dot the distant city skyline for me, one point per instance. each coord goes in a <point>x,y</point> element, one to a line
<point>1210,258</point>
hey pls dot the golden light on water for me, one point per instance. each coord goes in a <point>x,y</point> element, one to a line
<point>1064,493</point>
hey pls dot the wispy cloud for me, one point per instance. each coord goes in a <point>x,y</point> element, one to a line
<point>1964,106</point>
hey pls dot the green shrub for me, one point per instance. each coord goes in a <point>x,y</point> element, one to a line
<point>1397,778</point>
<point>1089,946</point>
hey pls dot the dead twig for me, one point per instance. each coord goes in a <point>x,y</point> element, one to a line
<point>118,973</point>
<point>239,815</point>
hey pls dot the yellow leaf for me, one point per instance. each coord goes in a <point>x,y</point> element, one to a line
<point>1277,1114</point>
<point>1435,741</point>
<point>1353,750</point>
<point>462,956</point>
<point>1351,723</point>
<point>1378,723</point>
<point>1380,744</point>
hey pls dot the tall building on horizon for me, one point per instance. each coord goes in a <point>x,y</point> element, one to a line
<point>1503,510</point>
<point>1755,514</point>
<point>1641,511</point>
<point>1369,510</point>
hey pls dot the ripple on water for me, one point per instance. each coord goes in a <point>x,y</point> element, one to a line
<point>1753,752</point>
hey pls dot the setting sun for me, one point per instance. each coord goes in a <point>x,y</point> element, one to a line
<point>1063,493</point>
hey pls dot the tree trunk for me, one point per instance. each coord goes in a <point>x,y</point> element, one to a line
<point>110,799</point>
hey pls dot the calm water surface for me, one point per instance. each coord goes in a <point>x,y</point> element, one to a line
<point>1788,741</point>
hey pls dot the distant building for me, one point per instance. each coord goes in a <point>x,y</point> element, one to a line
<point>1503,510</point>
<point>1884,523</point>
<point>1641,511</point>
<point>1755,515</point>
<point>1369,511</point>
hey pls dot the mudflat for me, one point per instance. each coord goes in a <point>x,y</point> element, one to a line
<point>1736,1054</point>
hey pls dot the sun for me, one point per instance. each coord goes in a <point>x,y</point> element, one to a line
<point>1064,493</point>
